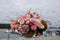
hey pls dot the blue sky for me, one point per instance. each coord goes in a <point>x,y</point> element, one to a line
<point>48,9</point>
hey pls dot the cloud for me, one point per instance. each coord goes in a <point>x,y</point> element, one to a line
<point>46,8</point>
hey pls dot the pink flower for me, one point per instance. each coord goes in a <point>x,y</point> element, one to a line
<point>34,27</point>
<point>14,26</point>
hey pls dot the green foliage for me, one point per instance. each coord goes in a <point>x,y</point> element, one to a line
<point>4,26</point>
<point>45,24</point>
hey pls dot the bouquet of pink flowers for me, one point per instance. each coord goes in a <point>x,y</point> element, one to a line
<point>29,23</point>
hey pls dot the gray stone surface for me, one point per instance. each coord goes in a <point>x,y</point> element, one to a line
<point>3,34</point>
<point>41,38</point>
<point>12,36</point>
